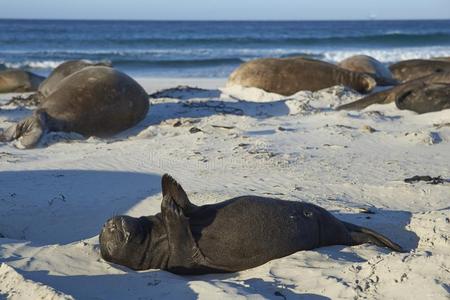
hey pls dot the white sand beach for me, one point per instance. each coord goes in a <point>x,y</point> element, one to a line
<point>219,143</point>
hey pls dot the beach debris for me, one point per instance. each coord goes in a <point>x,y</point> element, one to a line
<point>367,128</point>
<point>223,126</point>
<point>366,210</point>
<point>441,125</point>
<point>280,128</point>
<point>427,179</point>
<point>217,106</point>
<point>185,92</point>
<point>194,130</point>
<point>24,100</point>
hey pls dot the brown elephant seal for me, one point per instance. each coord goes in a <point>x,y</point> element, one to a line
<point>287,76</point>
<point>95,101</point>
<point>229,236</point>
<point>392,94</point>
<point>19,81</point>
<point>424,99</point>
<point>370,66</point>
<point>408,70</point>
<point>65,69</point>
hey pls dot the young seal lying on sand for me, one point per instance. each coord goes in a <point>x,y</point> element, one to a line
<point>229,236</point>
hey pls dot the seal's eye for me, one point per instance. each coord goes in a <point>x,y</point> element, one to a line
<point>307,213</point>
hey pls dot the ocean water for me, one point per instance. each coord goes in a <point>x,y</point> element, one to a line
<point>211,49</point>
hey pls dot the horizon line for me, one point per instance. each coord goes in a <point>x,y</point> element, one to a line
<point>222,20</point>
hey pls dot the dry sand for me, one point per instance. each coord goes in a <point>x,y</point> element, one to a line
<point>55,198</point>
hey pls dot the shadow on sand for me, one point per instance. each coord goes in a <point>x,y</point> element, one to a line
<point>391,223</point>
<point>63,206</point>
<point>162,285</point>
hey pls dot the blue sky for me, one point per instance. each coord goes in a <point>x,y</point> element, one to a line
<point>226,9</point>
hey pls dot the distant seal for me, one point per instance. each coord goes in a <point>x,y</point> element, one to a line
<point>229,236</point>
<point>19,81</point>
<point>370,66</point>
<point>62,71</point>
<point>95,101</point>
<point>433,84</point>
<point>408,70</point>
<point>287,76</point>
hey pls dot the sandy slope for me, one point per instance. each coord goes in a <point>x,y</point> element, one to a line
<point>54,199</point>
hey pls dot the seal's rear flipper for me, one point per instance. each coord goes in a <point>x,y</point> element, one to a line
<point>361,235</point>
<point>28,131</point>
<point>171,188</point>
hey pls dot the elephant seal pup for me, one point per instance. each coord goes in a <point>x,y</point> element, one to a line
<point>19,81</point>
<point>95,101</point>
<point>62,71</point>
<point>408,70</point>
<point>229,236</point>
<point>287,76</point>
<point>392,94</point>
<point>370,66</point>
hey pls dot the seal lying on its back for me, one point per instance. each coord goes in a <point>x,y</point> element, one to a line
<point>65,69</point>
<point>408,70</point>
<point>96,101</point>
<point>229,236</point>
<point>371,66</point>
<point>433,101</point>
<point>19,81</point>
<point>287,76</point>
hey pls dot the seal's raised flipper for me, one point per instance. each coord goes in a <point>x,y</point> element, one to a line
<point>185,257</point>
<point>172,189</point>
<point>361,235</point>
<point>29,131</point>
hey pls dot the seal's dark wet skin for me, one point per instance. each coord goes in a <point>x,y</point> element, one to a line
<point>228,236</point>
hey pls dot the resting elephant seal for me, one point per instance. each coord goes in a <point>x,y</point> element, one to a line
<point>399,91</point>
<point>287,76</point>
<point>19,81</point>
<point>428,98</point>
<point>95,101</point>
<point>65,69</point>
<point>408,70</point>
<point>229,236</point>
<point>371,66</point>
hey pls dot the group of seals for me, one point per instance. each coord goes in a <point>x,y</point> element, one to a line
<point>418,90</point>
<point>94,101</point>
<point>425,87</point>
<point>421,95</point>
<point>19,81</point>
<point>287,76</point>
<point>229,236</point>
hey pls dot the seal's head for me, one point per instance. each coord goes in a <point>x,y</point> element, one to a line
<point>124,240</point>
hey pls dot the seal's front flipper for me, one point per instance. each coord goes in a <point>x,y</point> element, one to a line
<point>361,235</point>
<point>28,131</point>
<point>185,257</point>
<point>172,189</point>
